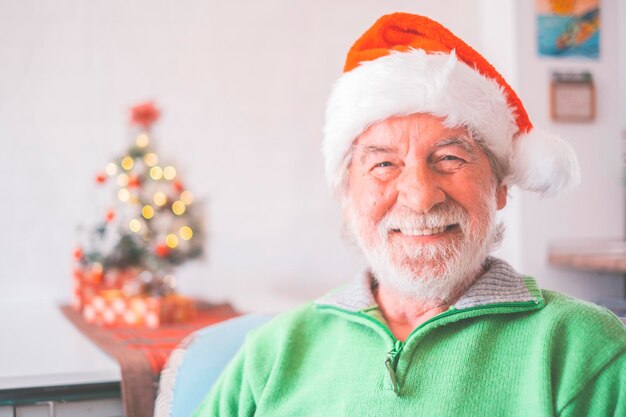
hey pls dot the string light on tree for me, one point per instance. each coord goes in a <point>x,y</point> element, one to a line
<point>159,198</point>
<point>150,159</point>
<point>169,172</point>
<point>178,207</point>
<point>128,163</point>
<point>122,180</point>
<point>142,140</point>
<point>171,240</point>
<point>147,212</point>
<point>111,169</point>
<point>156,172</point>
<point>123,194</point>
<point>186,233</point>
<point>134,226</point>
<point>186,197</point>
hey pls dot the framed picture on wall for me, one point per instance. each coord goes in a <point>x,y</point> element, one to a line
<point>568,28</point>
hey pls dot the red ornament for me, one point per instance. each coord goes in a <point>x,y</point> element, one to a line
<point>134,182</point>
<point>78,254</point>
<point>161,250</point>
<point>101,178</point>
<point>144,114</point>
<point>96,275</point>
<point>110,215</point>
<point>178,186</point>
<point>78,274</point>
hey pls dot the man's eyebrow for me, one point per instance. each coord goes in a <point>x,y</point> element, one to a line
<point>370,149</point>
<point>458,141</point>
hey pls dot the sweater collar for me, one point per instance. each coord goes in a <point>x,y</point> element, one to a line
<point>499,284</point>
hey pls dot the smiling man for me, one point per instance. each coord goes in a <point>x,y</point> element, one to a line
<point>422,139</point>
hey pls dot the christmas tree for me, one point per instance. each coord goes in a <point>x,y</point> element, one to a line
<point>150,225</point>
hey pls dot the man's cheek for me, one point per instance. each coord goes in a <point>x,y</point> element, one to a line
<point>365,229</point>
<point>370,234</point>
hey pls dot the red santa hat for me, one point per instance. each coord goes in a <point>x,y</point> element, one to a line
<point>407,64</point>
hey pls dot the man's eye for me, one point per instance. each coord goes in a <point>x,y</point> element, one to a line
<point>449,163</point>
<point>385,171</point>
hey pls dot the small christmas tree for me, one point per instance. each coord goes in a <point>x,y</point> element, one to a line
<point>151,224</point>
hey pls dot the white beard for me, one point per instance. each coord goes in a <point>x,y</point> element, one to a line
<point>433,271</point>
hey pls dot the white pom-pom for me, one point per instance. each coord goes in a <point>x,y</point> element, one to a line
<point>544,163</point>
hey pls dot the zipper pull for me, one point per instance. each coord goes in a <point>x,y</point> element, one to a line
<point>392,375</point>
<point>392,362</point>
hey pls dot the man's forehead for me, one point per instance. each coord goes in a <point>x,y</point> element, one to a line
<point>386,133</point>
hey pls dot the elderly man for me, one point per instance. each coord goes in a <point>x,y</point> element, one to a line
<point>422,138</point>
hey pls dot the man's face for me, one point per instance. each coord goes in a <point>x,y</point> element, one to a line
<point>421,201</point>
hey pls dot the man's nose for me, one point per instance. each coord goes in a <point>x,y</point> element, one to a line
<point>419,188</point>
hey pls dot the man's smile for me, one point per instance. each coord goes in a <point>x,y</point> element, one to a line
<point>424,232</point>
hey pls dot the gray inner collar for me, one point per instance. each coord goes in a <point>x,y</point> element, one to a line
<point>499,284</point>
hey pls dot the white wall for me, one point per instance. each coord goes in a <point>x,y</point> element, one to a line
<point>499,46</point>
<point>596,209</point>
<point>621,49</point>
<point>242,86</point>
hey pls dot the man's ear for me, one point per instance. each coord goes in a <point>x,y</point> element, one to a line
<point>501,196</point>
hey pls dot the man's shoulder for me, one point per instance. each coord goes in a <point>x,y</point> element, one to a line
<point>570,309</point>
<point>581,341</point>
<point>580,324</point>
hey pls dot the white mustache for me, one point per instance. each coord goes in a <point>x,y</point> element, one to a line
<point>439,217</point>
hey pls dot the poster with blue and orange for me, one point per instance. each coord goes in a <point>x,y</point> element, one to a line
<point>567,28</point>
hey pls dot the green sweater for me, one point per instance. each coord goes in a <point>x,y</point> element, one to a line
<point>504,349</point>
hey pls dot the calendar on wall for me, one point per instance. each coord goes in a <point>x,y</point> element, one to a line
<point>572,97</point>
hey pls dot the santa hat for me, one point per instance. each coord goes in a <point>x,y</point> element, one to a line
<point>407,64</point>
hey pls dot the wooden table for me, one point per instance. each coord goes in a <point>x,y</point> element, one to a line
<point>142,352</point>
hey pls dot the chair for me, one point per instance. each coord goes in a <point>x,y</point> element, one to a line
<point>195,364</point>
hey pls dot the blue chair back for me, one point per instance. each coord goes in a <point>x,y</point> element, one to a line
<point>195,364</point>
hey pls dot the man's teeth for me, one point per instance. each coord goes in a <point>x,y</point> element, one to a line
<point>422,232</point>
